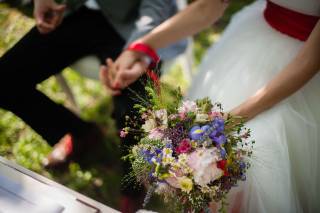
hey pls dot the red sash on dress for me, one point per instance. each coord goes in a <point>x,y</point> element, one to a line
<point>289,22</point>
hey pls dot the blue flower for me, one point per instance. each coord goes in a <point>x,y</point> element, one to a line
<point>205,128</point>
<point>169,145</point>
<point>218,124</point>
<point>213,134</point>
<point>220,139</point>
<point>223,153</point>
<point>242,165</point>
<point>158,151</point>
<point>196,133</point>
<point>147,155</point>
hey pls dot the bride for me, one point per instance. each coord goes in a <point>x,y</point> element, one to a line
<point>264,68</point>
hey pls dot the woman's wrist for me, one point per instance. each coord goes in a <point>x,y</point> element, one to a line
<point>244,111</point>
<point>151,58</point>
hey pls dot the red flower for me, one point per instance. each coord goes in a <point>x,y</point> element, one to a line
<point>184,146</point>
<point>223,165</point>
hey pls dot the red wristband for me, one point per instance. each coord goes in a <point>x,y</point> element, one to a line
<point>146,49</point>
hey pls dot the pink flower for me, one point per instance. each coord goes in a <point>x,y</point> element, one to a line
<point>204,165</point>
<point>184,146</point>
<point>188,106</point>
<point>214,114</point>
<point>182,115</point>
<point>173,181</point>
<point>123,133</point>
<point>155,134</point>
<point>144,116</point>
<point>172,116</point>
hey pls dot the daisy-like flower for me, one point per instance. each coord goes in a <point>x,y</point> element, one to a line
<point>167,156</point>
<point>185,184</point>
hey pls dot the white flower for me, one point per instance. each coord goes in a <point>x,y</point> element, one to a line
<point>162,188</point>
<point>202,118</point>
<point>162,115</point>
<point>167,156</point>
<point>149,125</point>
<point>204,165</point>
<point>188,106</point>
<point>167,152</point>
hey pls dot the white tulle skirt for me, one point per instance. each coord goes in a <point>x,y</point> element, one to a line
<point>284,176</point>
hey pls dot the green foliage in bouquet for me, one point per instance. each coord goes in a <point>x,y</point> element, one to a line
<point>189,152</point>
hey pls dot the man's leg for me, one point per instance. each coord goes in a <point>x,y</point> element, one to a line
<point>36,57</point>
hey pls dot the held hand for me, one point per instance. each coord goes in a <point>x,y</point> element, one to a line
<point>48,15</point>
<point>126,77</point>
<point>125,61</point>
<point>105,80</point>
<point>128,67</point>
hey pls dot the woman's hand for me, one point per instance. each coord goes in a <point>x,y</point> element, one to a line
<point>48,15</point>
<point>127,68</point>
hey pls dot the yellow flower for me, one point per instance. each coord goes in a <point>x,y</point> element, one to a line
<point>186,184</point>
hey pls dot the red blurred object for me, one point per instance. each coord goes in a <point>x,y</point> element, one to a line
<point>223,165</point>
<point>146,49</point>
<point>128,205</point>
<point>290,22</point>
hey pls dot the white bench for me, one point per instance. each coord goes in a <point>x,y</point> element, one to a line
<point>22,190</point>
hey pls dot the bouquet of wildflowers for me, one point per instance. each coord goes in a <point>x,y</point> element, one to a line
<point>190,152</point>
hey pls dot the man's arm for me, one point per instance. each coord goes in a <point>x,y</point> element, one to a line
<point>197,16</point>
<point>151,14</point>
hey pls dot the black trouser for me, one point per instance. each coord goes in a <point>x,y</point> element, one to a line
<point>36,57</point>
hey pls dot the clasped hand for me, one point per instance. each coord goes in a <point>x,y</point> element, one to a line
<point>125,70</point>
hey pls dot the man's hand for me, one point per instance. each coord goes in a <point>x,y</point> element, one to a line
<point>48,15</point>
<point>105,80</point>
<point>128,67</point>
<point>126,77</point>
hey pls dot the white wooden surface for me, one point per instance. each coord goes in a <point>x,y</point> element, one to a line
<point>22,190</point>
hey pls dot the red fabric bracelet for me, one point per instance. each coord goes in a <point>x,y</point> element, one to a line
<point>146,49</point>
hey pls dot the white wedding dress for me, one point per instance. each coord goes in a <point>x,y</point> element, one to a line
<point>285,172</point>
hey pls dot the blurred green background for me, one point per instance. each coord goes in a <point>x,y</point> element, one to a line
<point>21,144</point>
